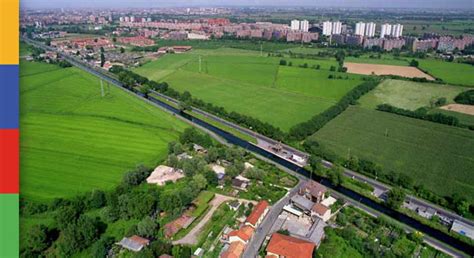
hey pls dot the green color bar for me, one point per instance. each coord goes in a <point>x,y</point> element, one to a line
<point>9,225</point>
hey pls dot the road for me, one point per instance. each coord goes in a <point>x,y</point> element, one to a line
<point>107,77</point>
<point>262,230</point>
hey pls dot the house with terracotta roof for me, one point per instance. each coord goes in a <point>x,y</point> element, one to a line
<point>235,250</point>
<point>321,211</point>
<point>134,243</point>
<point>289,247</point>
<point>313,191</point>
<point>258,213</point>
<point>242,235</point>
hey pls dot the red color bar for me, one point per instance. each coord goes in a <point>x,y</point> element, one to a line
<point>9,160</point>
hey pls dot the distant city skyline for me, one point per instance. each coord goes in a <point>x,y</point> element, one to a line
<point>442,4</point>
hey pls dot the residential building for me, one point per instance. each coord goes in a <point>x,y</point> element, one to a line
<point>242,235</point>
<point>397,30</point>
<point>385,30</point>
<point>313,191</point>
<point>373,42</point>
<point>304,26</point>
<point>295,25</point>
<point>321,211</point>
<point>302,203</point>
<point>370,29</point>
<point>354,40</point>
<point>327,28</point>
<point>396,43</point>
<point>336,27</point>
<point>360,29</point>
<point>134,243</point>
<point>235,250</point>
<point>258,213</point>
<point>289,247</point>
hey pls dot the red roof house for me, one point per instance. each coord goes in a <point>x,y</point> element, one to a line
<point>243,234</point>
<point>289,247</point>
<point>257,214</point>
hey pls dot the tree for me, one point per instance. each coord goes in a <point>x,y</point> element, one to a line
<point>102,59</point>
<point>200,181</point>
<point>65,216</point>
<point>336,175</point>
<point>414,63</point>
<point>284,232</point>
<point>184,105</point>
<point>37,238</point>
<point>395,197</point>
<point>145,89</point>
<point>97,199</point>
<point>101,247</point>
<point>147,227</point>
<point>315,163</point>
<point>282,62</point>
<point>122,50</point>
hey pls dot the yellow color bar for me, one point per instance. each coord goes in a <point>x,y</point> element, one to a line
<point>9,31</point>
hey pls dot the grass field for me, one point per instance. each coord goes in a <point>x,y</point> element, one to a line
<point>438,156</point>
<point>73,140</point>
<point>454,73</point>
<point>245,82</point>
<point>408,95</point>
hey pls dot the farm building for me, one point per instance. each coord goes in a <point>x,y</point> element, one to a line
<point>163,174</point>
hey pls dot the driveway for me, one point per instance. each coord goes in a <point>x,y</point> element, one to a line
<point>192,237</point>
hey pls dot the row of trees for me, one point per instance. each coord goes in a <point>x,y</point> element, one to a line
<point>466,97</point>
<point>421,113</point>
<point>305,129</point>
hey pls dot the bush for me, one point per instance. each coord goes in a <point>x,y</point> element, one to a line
<point>466,97</point>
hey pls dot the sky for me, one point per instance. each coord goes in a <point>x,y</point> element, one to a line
<point>183,3</point>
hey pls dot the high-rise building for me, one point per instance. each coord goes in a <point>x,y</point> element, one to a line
<point>327,28</point>
<point>126,19</point>
<point>386,29</point>
<point>370,29</point>
<point>360,29</point>
<point>304,26</point>
<point>132,19</point>
<point>295,25</point>
<point>336,27</point>
<point>397,30</point>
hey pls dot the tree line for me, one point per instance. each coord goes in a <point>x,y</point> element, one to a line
<point>305,129</point>
<point>421,113</point>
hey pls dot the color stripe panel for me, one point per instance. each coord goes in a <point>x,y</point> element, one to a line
<point>9,225</point>
<point>9,161</point>
<point>9,31</point>
<point>9,99</point>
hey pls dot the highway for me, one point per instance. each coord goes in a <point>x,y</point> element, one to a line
<point>107,77</point>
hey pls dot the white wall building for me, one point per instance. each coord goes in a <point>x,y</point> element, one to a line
<point>385,30</point>
<point>327,28</point>
<point>132,19</point>
<point>360,29</point>
<point>397,30</point>
<point>304,26</point>
<point>336,27</point>
<point>295,25</point>
<point>370,29</point>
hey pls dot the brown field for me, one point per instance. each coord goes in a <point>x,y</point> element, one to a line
<point>378,69</point>
<point>466,109</point>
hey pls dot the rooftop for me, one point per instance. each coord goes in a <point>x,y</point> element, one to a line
<point>162,173</point>
<point>235,250</point>
<point>320,209</point>
<point>134,243</point>
<point>257,212</point>
<point>290,247</point>
<point>244,233</point>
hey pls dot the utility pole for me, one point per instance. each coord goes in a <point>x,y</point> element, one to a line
<point>199,64</point>
<point>102,88</point>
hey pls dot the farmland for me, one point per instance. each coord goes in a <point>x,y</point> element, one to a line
<point>438,156</point>
<point>409,95</point>
<point>382,69</point>
<point>449,72</point>
<point>254,85</point>
<point>73,140</point>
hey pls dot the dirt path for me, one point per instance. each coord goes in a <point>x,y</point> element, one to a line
<point>465,109</point>
<point>191,237</point>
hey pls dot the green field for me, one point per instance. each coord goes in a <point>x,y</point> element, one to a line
<point>73,140</point>
<point>454,73</point>
<point>245,82</point>
<point>409,95</point>
<point>438,156</point>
